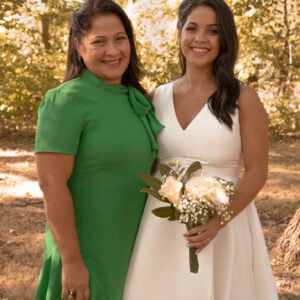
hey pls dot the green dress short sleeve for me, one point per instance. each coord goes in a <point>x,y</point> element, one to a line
<point>111,129</point>
<point>60,122</point>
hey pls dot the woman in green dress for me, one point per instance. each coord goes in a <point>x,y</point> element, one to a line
<point>95,133</point>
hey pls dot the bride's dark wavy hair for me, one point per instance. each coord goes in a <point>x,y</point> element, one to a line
<point>82,21</point>
<point>224,101</point>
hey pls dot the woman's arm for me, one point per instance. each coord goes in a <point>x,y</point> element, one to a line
<point>151,95</point>
<point>155,163</point>
<point>254,138</point>
<point>255,148</point>
<point>54,170</point>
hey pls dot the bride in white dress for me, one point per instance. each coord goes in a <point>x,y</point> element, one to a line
<point>210,117</point>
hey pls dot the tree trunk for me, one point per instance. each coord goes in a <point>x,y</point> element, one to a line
<point>286,251</point>
<point>287,50</point>
<point>44,30</point>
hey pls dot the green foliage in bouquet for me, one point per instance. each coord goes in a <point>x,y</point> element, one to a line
<point>155,184</point>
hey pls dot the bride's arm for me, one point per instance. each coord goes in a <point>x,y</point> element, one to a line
<point>151,95</point>
<point>254,137</point>
<point>155,163</point>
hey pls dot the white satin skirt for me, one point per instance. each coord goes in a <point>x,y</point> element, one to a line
<point>234,266</point>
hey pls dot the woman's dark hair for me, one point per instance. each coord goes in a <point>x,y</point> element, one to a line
<point>224,101</point>
<point>82,21</point>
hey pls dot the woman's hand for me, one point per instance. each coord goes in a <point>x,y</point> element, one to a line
<point>200,236</point>
<point>75,280</point>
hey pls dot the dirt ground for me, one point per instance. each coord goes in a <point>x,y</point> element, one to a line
<point>22,217</point>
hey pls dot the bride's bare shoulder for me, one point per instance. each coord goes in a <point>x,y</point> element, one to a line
<point>151,95</point>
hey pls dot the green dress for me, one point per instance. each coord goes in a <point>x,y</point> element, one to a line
<point>112,131</point>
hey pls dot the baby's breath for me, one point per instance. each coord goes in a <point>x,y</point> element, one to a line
<point>197,211</point>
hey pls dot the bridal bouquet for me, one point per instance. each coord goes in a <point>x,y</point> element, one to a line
<point>193,198</point>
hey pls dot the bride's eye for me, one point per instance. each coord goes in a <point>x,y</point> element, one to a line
<point>213,31</point>
<point>191,28</point>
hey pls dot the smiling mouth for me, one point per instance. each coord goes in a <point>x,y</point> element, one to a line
<point>200,50</point>
<point>112,62</point>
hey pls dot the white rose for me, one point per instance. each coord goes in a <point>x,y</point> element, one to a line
<point>220,197</point>
<point>200,186</point>
<point>171,189</point>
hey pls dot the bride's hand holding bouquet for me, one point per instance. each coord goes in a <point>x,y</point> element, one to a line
<point>198,201</point>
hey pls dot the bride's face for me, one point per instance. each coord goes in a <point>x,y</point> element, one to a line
<point>199,38</point>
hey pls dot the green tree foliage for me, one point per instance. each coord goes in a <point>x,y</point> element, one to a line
<point>269,60</point>
<point>33,41</point>
<point>155,28</point>
<point>32,45</point>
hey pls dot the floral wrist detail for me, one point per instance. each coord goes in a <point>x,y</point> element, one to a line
<point>225,218</point>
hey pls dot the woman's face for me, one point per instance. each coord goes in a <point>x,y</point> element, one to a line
<point>105,48</point>
<point>199,40</point>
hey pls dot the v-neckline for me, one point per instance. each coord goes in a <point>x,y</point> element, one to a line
<point>175,114</point>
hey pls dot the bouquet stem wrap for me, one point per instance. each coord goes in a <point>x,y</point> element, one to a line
<point>194,264</point>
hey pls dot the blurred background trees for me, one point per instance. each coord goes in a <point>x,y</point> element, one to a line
<point>33,36</point>
<point>33,42</point>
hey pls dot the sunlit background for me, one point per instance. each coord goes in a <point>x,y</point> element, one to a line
<point>33,42</point>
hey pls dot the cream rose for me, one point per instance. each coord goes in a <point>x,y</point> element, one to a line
<point>220,197</point>
<point>171,189</point>
<point>200,186</point>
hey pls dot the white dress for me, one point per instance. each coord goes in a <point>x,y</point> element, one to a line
<point>235,265</point>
